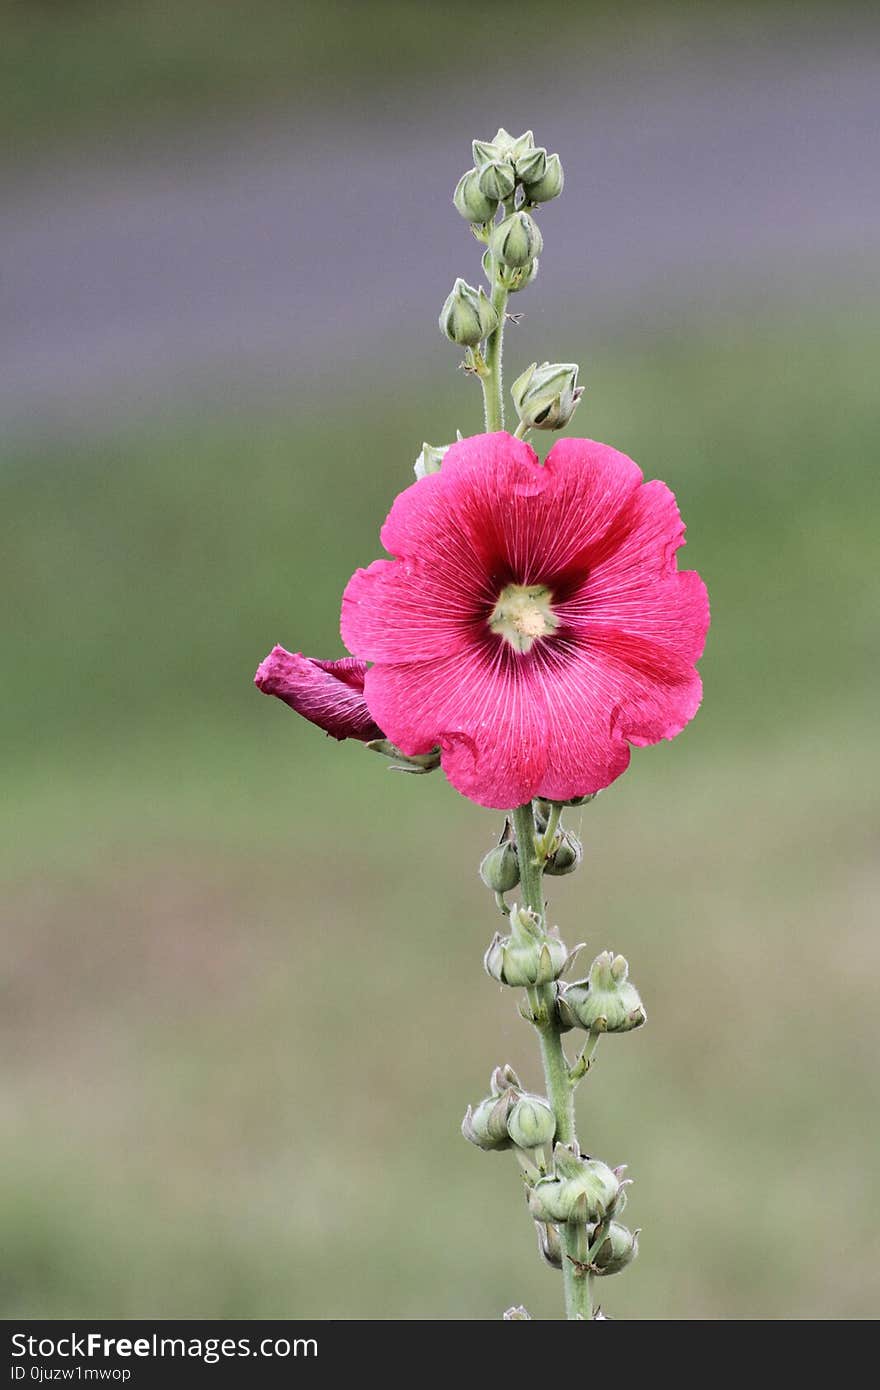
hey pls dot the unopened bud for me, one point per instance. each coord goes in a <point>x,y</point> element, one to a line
<point>606,1002</point>
<point>467,317</point>
<point>518,279</point>
<point>513,278</point>
<point>549,1244</point>
<point>550,183</point>
<point>529,955</point>
<point>517,240</point>
<point>504,146</point>
<point>430,459</point>
<point>547,396</point>
<point>500,868</point>
<point>486,1125</point>
<point>504,1079</point>
<point>470,201</point>
<point>544,807</point>
<point>582,1189</point>
<point>566,856</point>
<point>497,180</point>
<point>618,1249</point>
<point>531,164</point>
<point>531,1122</point>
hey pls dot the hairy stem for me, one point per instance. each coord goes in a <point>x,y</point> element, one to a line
<point>493,397</point>
<point>560,1090</point>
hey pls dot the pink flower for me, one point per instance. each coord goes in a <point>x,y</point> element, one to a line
<point>329,693</point>
<point>534,623</point>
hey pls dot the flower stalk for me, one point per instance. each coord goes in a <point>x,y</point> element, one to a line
<point>530,626</point>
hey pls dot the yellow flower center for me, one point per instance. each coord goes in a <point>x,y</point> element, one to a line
<point>522,614</point>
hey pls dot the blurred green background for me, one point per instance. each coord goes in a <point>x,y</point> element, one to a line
<point>242,1006</point>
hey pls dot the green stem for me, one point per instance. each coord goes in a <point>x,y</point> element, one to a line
<point>491,378</point>
<point>549,836</point>
<point>560,1091</point>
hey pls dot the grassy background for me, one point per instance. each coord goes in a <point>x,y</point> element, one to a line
<point>242,1007</point>
<point>245,1007</point>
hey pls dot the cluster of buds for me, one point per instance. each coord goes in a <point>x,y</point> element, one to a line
<point>510,178</point>
<point>531,955</point>
<point>500,869</point>
<point>511,171</point>
<point>605,1002</point>
<point>510,1117</point>
<point>581,1190</point>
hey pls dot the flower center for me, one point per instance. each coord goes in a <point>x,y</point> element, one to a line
<point>523,614</point>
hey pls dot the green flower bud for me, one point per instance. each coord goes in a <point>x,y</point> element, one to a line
<point>503,147</point>
<point>529,955</point>
<point>517,240</point>
<point>467,317</point>
<point>517,1314</point>
<point>513,278</point>
<point>531,1122</point>
<point>550,183</point>
<point>500,868</point>
<point>504,1079</point>
<point>403,762</point>
<point>518,279</point>
<point>618,1249</point>
<point>470,200</point>
<point>486,1126</point>
<point>546,397</point>
<point>430,459</point>
<point>567,855</point>
<point>607,1002</point>
<point>549,1244</point>
<point>531,164</point>
<point>497,180</point>
<point>543,808</point>
<point>582,1190</point>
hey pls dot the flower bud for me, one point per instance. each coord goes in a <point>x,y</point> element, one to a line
<point>518,279</point>
<point>503,147</point>
<point>549,1244</point>
<point>486,1126</point>
<point>566,856</point>
<point>470,201</point>
<point>582,1190</point>
<point>550,183</point>
<point>607,1002</point>
<point>504,1079</point>
<point>500,868</point>
<point>543,808</point>
<point>517,240</point>
<point>531,1122</point>
<point>546,397</point>
<point>513,278</point>
<point>430,459</point>
<point>529,956</point>
<point>467,316</point>
<point>497,180</point>
<point>618,1249</point>
<point>531,164</point>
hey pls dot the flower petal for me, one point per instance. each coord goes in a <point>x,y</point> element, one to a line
<point>328,693</point>
<point>481,710</point>
<point>395,610</point>
<point>634,603</point>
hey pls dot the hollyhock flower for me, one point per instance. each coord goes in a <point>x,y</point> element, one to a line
<point>329,693</point>
<point>533,624</point>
